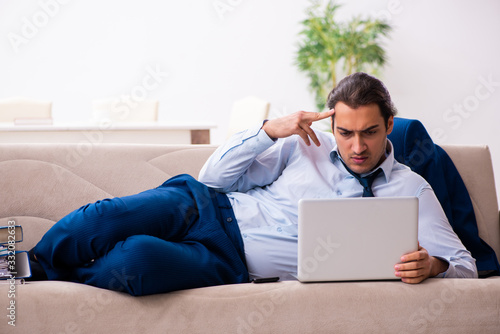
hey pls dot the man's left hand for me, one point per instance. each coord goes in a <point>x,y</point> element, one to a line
<point>418,266</point>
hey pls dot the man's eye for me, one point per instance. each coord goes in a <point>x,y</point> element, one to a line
<point>370,132</point>
<point>345,134</point>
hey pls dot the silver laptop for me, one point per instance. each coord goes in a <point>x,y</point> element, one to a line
<point>355,238</point>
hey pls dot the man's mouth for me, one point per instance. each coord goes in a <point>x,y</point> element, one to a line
<point>359,160</point>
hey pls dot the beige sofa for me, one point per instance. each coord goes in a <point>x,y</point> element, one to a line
<point>39,184</point>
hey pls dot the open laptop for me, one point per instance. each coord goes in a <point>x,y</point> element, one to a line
<point>349,239</point>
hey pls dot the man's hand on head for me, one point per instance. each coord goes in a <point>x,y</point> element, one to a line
<point>418,266</point>
<point>298,123</point>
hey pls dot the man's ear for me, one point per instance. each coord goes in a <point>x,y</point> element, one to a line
<point>390,125</point>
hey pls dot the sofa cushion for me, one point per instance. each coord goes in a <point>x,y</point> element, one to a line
<point>434,306</point>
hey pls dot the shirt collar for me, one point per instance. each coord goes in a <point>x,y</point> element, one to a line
<point>386,165</point>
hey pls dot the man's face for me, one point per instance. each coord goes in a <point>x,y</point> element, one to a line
<point>361,136</point>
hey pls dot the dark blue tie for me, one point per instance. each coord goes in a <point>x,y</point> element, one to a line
<point>365,181</point>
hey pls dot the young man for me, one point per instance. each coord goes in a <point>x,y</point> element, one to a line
<point>184,234</point>
<point>264,178</point>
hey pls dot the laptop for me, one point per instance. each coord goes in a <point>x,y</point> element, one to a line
<point>355,239</point>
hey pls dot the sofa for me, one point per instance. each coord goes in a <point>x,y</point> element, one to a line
<point>40,183</point>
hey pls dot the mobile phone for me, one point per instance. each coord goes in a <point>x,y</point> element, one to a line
<point>266,280</point>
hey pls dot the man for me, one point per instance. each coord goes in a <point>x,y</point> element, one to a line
<point>264,178</point>
<point>184,234</point>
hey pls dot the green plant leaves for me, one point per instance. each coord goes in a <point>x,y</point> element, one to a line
<point>329,49</point>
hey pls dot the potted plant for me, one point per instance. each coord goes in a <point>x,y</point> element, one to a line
<point>329,50</point>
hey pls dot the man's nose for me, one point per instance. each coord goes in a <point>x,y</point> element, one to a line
<point>358,145</point>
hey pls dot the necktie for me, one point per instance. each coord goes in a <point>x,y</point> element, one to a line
<point>365,181</point>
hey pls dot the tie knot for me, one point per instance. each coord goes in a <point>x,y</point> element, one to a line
<point>365,181</point>
<point>368,179</point>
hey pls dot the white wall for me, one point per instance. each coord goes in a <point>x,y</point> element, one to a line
<point>445,70</point>
<point>441,53</point>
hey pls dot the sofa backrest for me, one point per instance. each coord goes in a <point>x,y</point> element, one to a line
<point>476,169</point>
<point>39,184</point>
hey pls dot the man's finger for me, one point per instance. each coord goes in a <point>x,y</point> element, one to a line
<point>415,280</point>
<point>414,256</point>
<point>324,114</point>
<point>414,265</point>
<point>410,273</point>
<point>316,116</point>
<point>304,136</point>
<point>310,132</point>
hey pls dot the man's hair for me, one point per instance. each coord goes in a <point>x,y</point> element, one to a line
<point>360,89</point>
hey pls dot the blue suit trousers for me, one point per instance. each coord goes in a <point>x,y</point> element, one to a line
<point>179,235</point>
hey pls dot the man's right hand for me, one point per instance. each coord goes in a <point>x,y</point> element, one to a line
<point>298,123</point>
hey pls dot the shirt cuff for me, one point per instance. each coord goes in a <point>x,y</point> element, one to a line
<point>450,272</point>
<point>273,139</point>
<point>260,140</point>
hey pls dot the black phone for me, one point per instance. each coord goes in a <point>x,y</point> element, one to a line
<point>266,280</point>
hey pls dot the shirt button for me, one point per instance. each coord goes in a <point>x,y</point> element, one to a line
<point>229,219</point>
<point>244,235</point>
<point>339,193</point>
<point>279,229</point>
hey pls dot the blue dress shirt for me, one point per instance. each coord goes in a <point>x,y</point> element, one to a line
<point>264,179</point>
